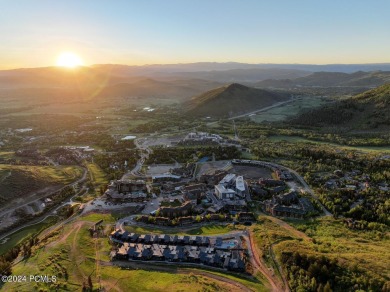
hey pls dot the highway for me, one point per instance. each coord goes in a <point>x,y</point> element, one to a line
<point>262,109</point>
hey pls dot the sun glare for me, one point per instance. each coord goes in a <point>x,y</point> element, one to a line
<point>69,60</point>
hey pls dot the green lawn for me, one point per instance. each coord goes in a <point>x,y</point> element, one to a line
<point>94,217</point>
<point>282,112</point>
<point>213,229</point>
<point>97,174</point>
<point>98,179</point>
<point>247,155</point>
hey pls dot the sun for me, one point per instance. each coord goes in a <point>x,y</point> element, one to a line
<point>69,60</point>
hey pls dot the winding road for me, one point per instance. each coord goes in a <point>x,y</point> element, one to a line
<point>301,180</point>
<point>40,220</point>
<point>45,195</point>
<point>145,152</point>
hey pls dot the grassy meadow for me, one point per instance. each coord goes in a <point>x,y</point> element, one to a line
<point>214,229</point>
<point>98,179</point>
<point>297,139</point>
<point>288,110</point>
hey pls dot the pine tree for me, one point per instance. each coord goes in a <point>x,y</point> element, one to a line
<point>320,288</point>
<point>313,284</point>
<point>90,283</point>
<point>327,287</point>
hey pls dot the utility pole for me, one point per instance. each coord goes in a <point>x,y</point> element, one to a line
<point>235,131</point>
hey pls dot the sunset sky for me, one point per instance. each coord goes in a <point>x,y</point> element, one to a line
<point>34,33</point>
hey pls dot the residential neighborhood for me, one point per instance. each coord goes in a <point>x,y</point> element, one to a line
<point>211,251</point>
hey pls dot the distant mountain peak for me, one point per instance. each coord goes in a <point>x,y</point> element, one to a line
<point>232,99</point>
<point>236,86</point>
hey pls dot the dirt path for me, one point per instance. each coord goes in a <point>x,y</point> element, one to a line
<point>109,286</point>
<point>234,285</point>
<point>276,285</point>
<point>73,251</point>
<point>288,227</point>
<point>60,240</point>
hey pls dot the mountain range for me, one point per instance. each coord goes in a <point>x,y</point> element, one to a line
<point>176,82</point>
<point>330,79</point>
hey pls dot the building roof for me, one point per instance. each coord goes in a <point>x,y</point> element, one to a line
<point>224,190</point>
<point>240,184</point>
<point>228,178</point>
<point>166,176</point>
<point>279,208</point>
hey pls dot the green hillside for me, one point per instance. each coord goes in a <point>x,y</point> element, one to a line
<point>233,99</point>
<point>369,110</point>
<point>19,180</point>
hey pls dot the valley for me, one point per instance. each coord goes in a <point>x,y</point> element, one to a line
<point>299,186</point>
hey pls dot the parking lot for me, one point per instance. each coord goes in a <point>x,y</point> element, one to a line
<point>251,172</point>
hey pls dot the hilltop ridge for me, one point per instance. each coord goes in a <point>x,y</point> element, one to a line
<point>368,110</point>
<point>230,100</point>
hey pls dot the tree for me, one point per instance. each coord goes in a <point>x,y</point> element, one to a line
<point>327,287</point>
<point>5,267</point>
<point>313,284</point>
<point>320,288</point>
<point>90,285</point>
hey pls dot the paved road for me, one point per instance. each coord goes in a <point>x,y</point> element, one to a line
<point>145,152</point>
<point>37,221</point>
<point>45,195</point>
<point>262,109</point>
<point>306,187</point>
<point>309,190</point>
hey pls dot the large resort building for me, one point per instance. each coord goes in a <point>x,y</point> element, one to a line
<point>127,191</point>
<point>231,187</point>
<point>202,137</point>
<point>233,193</point>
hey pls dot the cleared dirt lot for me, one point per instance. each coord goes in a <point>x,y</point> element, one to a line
<point>250,172</point>
<point>210,167</point>
<point>157,169</point>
